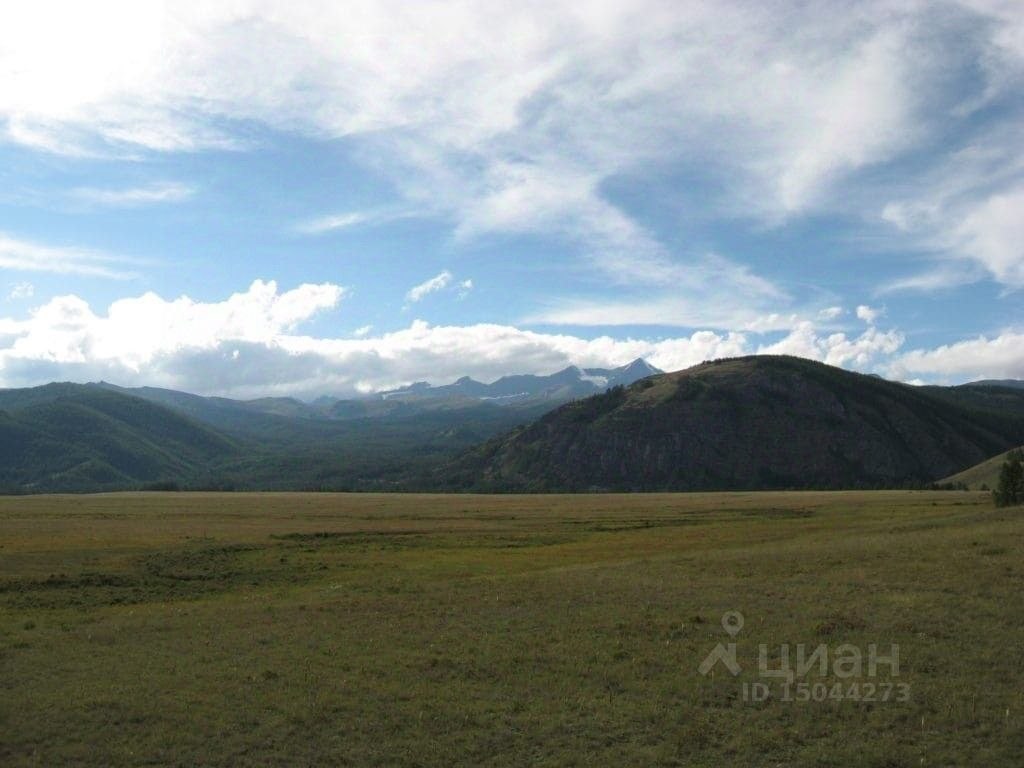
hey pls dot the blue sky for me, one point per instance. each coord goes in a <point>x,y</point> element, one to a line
<point>255,198</point>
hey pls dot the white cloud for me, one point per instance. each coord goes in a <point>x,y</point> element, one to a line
<point>136,331</point>
<point>26,256</point>
<point>163,192</point>
<point>864,114</point>
<point>250,345</point>
<point>863,352</point>
<point>516,117</point>
<point>942,276</point>
<point>684,312</point>
<point>868,314</point>
<point>830,313</point>
<point>964,213</point>
<point>997,357</point>
<point>993,234</point>
<point>22,291</point>
<point>247,345</point>
<point>711,292</point>
<point>910,215</point>
<point>362,331</point>
<point>433,285</point>
<point>334,222</point>
<point>351,219</point>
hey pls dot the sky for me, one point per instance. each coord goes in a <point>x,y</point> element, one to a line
<point>302,198</point>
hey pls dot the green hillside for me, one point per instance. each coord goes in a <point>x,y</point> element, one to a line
<point>81,438</point>
<point>983,476</point>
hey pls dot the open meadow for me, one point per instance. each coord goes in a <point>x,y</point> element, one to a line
<point>410,630</point>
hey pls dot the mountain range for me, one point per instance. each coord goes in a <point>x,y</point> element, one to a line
<point>567,384</point>
<point>760,422</point>
<point>94,437</point>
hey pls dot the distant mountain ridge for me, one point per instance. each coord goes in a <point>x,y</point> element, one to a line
<point>1008,383</point>
<point>569,383</point>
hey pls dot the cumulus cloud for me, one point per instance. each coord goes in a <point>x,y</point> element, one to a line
<point>863,352</point>
<point>137,331</point>
<point>868,314</point>
<point>250,344</point>
<point>996,357</point>
<point>247,346</point>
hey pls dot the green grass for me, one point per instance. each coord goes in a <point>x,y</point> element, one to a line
<point>410,630</point>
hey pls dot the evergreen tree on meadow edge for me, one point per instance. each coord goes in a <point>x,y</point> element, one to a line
<point>1010,490</point>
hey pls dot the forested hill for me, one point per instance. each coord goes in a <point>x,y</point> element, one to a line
<point>750,423</point>
<point>70,437</point>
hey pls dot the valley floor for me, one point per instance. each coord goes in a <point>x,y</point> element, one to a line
<point>407,630</point>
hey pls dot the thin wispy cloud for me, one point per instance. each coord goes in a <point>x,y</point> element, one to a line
<point>710,292</point>
<point>334,222</point>
<point>352,219</point>
<point>26,256</point>
<point>433,285</point>
<point>523,137</point>
<point>942,276</point>
<point>152,194</point>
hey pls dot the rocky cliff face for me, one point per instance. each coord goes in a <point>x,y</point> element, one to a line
<point>747,423</point>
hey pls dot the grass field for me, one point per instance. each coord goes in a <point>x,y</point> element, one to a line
<point>404,630</point>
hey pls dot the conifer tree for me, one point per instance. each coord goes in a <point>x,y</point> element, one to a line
<point>1010,490</point>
